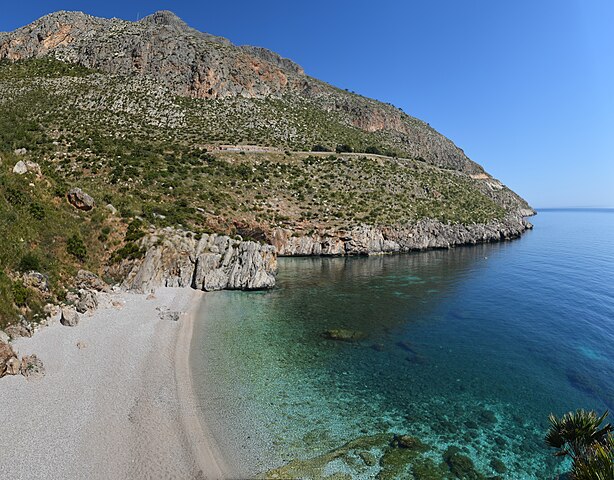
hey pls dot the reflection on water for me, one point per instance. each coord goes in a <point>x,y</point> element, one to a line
<point>471,347</point>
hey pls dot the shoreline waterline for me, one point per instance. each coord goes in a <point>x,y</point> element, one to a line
<point>202,443</point>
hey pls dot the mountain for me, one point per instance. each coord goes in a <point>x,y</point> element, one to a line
<point>173,130</point>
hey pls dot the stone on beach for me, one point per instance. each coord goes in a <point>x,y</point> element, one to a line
<point>32,367</point>
<point>70,317</point>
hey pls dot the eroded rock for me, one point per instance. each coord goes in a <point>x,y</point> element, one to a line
<point>36,280</point>
<point>79,199</point>
<point>88,301</point>
<point>70,317</point>
<point>212,262</point>
<point>7,359</point>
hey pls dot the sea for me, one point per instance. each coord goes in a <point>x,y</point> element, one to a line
<point>469,348</point>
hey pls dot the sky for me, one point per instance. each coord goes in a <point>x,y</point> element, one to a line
<point>524,87</point>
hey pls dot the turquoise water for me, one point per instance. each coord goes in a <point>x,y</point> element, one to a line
<point>471,347</point>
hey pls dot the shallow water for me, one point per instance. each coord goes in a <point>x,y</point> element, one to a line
<point>472,347</point>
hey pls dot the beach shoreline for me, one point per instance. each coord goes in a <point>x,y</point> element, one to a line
<point>116,400</point>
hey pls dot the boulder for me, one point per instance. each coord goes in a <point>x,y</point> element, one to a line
<point>79,199</point>
<point>6,356</point>
<point>20,151</point>
<point>20,168</point>
<point>4,338</point>
<point>13,366</point>
<point>36,280</point>
<point>111,209</point>
<point>19,330</point>
<point>87,301</point>
<point>70,317</point>
<point>34,167</point>
<point>32,367</point>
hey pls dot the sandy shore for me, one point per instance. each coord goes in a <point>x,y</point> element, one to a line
<point>121,406</point>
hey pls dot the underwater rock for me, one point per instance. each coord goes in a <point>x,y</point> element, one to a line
<point>487,417</point>
<point>407,441</point>
<point>313,468</point>
<point>498,466</point>
<point>427,469</point>
<point>461,466</point>
<point>368,458</point>
<point>344,335</point>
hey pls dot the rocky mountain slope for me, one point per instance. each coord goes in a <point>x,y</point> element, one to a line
<point>197,155</point>
<point>193,64</point>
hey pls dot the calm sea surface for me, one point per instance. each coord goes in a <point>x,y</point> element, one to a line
<point>471,347</point>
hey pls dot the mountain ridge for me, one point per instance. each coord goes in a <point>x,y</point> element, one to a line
<point>199,65</point>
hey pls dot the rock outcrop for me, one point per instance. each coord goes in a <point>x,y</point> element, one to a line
<point>368,240</point>
<point>79,199</point>
<point>175,258</point>
<point>9,363</point>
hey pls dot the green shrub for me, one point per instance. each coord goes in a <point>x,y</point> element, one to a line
<point>76,247</point>
<point>343,148</point>
<point>29,262</point>
<point>20,294</point>
<point>37,211</point>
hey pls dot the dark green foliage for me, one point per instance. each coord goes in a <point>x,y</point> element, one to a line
<point>76,247</point>
<point>343,148</point>
<point>373,150</point>
<point>29,262</point>
<point>37,211</point>
<point>583,437</point>
<point>20,294</point>
<point>134,231</point>
<point>130,251</point>
<point>320,148</point>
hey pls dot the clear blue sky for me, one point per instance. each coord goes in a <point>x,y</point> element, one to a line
<point>525,87</point>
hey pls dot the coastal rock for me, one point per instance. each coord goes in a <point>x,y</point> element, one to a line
<point>6,359</point>
<point>79,199</point>
<point>212,262</point>
<point>32,367</point>
<point>87,301</point>
<point>36,280</point>
<point>13,366</point>
<point>20,329</point>
<point>70,317</point>
<point>369,240</point>
<point>88,280</point>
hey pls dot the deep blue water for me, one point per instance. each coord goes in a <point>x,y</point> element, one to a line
<point>472,347</point>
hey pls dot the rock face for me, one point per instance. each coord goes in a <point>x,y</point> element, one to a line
<point>367,240</point>
<point>212,262</point>
<point>79,199</point>
<point>88,301</point>
<point>36,280</point>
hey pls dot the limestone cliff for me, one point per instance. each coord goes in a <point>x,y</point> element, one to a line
<point>369,240</point>
<point>212,262</point>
